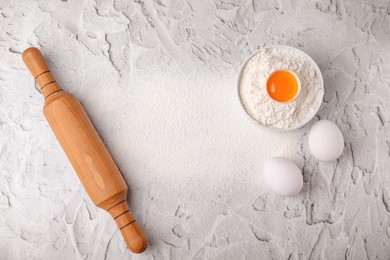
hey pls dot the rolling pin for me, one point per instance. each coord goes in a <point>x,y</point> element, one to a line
<point>85,150</point>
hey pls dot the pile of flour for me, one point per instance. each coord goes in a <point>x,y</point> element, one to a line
<point>261,107</point>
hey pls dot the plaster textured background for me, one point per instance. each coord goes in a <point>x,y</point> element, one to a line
<point>158,79</point>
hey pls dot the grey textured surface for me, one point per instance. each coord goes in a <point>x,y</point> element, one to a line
<point>158,78</point>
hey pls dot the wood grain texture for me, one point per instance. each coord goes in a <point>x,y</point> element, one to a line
<point>85,150</point>
<point>88,155</point>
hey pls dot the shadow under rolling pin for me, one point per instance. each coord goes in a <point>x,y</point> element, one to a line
<point>85,150</point>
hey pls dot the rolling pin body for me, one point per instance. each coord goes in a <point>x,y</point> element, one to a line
<point>85,150</point>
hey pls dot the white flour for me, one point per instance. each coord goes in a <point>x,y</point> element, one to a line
<point>261,107</point>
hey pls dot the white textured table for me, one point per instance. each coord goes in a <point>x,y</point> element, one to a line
<point>158,78</point>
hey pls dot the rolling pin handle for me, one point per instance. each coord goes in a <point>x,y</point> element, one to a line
<point>36,64</point>
<point>131,231</point>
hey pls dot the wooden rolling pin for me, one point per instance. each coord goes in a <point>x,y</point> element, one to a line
<point>90,159</point>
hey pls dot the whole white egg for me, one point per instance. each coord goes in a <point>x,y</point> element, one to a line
<point>283,176</point>
<point>325,140</point>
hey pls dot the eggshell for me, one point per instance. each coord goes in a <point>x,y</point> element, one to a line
<point>325,140</point>
<point>283,176</point>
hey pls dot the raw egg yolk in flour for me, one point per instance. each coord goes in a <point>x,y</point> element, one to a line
<point>282,85</point>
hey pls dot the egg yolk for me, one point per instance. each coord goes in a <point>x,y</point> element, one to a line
<point>282,86</point>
